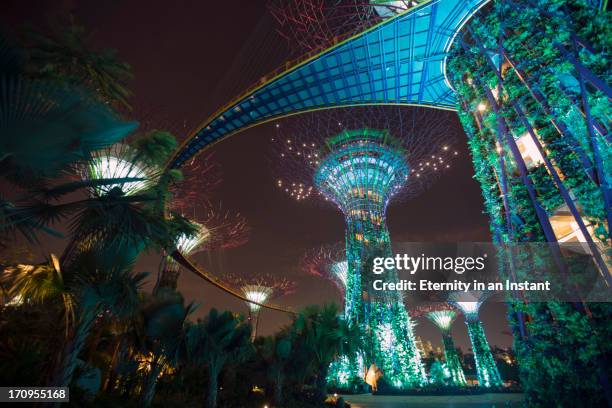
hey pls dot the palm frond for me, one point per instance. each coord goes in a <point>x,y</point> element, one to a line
<point>46,126</point>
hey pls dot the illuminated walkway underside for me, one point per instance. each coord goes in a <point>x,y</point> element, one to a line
<point>400,61</point>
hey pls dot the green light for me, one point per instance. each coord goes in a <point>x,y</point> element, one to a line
<point>488,375</point>
<point>360,171</point>
<point>443,319</point>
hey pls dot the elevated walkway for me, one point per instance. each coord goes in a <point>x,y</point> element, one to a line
<point>400,61</point>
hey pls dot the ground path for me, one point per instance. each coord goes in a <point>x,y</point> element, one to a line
<point>438,401</point>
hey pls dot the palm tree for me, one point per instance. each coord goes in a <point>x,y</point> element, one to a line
<point>98,281</point>
<point>326,336</point>
<point>64,53</point>
<point>47,126</point>
<point>275,352</point>
<point>219,339</point>
<point>103,282</point>
<point>164,317</point>
<point>46,130</point>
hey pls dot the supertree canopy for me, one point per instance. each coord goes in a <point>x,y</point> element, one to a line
<point>256,293</point>
<point>226,229</point>
<point>310,25</point>
<point>216,229</point>
<point>469,304</point>
<point>426,140</point>
<point>315,24</point>
<point>187,244</point>
<point>200,177</point>
<point>260,290</point>
<point>328,261</point>
<point>443,316</point>
<point>359,159</point>
<point>121,162</point>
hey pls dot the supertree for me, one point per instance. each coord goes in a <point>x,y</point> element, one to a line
<point>426,138</point>
<point>261,289</point>
<point>310,25</point>
<point>443,315</point>
<point>469,303</point>
<point>360,159</point>
<point>329,262</point>
<point>216,229</point>
<point>115,172</point>
<point>124,163</point>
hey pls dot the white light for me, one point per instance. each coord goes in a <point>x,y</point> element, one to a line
<point>256,293</point>
<point>442,318</point>
<point>110,167</point>
<point>468,307</point>
<point>482,107</point>
<point>186,244</point>
<point>386,337</point>
<point>340,271</point>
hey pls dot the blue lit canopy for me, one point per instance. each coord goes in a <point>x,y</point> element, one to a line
<point>400,61</point>
<point>363,169</point>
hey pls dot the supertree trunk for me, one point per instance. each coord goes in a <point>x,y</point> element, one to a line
<point>394,345</point>
<point>452,360</point>
<point>488,375</point>
<point>255,324</point>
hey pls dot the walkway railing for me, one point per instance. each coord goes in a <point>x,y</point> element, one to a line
<point>191,266</point>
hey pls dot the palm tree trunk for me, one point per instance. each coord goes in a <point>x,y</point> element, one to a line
<point>211,399</point>
<point>110,376</point>
<point>321,382</point>
<point>148,391</point>
<point>278,388</point>
<point>63,373</point>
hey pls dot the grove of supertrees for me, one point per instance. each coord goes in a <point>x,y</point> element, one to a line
<point>259,290</point>
<point>360,159</point>
<point>443,315</point>
<point>469,303</point>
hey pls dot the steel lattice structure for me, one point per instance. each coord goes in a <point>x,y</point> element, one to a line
<point>310,25</point>
<point>200,177</point>
<point>401,60</point>
<point>427,141</point>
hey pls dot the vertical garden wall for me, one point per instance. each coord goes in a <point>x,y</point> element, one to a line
<point>533,97</point>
